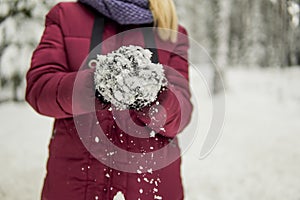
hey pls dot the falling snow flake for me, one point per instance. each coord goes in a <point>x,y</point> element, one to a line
<point>152,134</point>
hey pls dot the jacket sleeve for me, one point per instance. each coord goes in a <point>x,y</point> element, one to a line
<point>176,98</point>
<point>50,82</point>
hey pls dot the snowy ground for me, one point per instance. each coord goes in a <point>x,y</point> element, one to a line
<point>257,157</point>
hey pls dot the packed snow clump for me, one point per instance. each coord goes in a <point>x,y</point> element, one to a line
<point>127,78</point>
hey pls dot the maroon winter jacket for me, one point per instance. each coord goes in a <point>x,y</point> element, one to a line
<point>83,163</point>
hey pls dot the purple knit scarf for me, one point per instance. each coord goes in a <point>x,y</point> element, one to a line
<point>123,11</point>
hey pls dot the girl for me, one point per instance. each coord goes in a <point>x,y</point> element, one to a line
<point>74,172</point>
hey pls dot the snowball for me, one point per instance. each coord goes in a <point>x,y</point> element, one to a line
<point>127,78</point>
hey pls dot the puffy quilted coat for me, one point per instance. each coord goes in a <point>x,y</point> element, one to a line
<point>75,170</point>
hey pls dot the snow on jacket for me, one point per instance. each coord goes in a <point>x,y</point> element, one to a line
<point>73,171</point>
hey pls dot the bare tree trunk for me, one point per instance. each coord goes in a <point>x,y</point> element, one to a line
<point>297,38</point>
<point>212,24</point>
<point>284,27</point>
<point>2,47</point>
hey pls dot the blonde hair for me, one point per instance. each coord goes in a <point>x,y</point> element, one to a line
<point>165,18</point>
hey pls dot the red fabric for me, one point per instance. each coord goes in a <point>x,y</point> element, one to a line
<point>73,172</point>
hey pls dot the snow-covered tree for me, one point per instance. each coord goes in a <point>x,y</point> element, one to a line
<point>21,24</point>
<point>261,32</point>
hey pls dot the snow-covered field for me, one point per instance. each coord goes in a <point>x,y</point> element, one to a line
<point>257,157</point>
